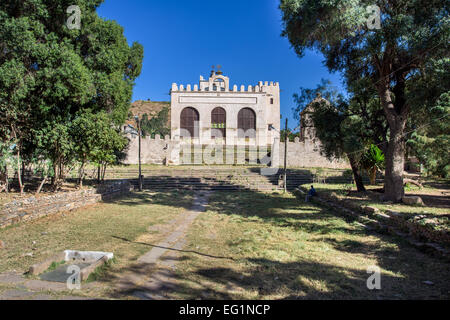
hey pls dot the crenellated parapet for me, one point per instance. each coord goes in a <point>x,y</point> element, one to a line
<point>261,87</point>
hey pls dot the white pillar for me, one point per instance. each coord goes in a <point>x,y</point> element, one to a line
<point>275,154</point>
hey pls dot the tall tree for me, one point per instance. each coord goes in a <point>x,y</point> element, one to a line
<point>412,32</point>
<point>49,71</point>
<point>346,127</point>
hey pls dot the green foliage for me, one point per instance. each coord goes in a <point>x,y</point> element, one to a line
<point>6,155</point>
<point>156,125</point>
<point>430,121</point>
<point>54,142</point>
<point>50,76</point>
<point>95,139</point>
<point>391,59</point>
<point>291,135</point>
<point>373,157</point>
<point>345,126</point>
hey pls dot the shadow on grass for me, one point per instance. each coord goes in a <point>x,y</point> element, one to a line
<point>173,249</point>
<point>267,278</point>
<point>304,279</point>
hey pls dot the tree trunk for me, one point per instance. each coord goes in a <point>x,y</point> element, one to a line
<point>4,180</point>
<point>55,175</point>
<point>356,174</point>
<point>396,115</point>
<point>23,172</point>
<point>395,165</point>
<point>373,175</point>
<point>104,171</point>
<point>19,174</point>
<point>81,174</point>
<point>41,185</point>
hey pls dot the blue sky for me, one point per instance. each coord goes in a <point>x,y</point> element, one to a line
<point>182,39</point>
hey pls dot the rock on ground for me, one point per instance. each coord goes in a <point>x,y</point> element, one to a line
<point>413,201</point>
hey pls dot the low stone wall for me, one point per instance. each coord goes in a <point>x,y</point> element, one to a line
<point>32,208</point>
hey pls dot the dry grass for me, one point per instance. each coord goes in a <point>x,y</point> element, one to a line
<point>436,199</point>
<point>102,227</point>
<point>271,246</point>
<point>247,245</point>
<point>6,197</point>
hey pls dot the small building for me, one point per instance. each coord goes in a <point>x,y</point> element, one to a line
<point>213,112</point>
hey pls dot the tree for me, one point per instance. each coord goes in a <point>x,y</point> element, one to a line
<point>54,143</point>
<point>412,33</point>
<point>345,126</point>
<point>49,72</point>
<point>156,124</point>
<point>337,138</point>
<point>95,140</point>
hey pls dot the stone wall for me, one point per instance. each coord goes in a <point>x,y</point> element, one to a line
<point>307,154</point>
<point>153,151</point>
<point>300,153</point>
<point>35,207</point>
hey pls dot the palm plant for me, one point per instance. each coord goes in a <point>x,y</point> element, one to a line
<point>372,161</point>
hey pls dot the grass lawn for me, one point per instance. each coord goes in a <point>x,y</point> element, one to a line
<point>274,246</point>
<point>247,245</point>
<point>101,227</point>
<point>437,201</point>
<point>435,194</point>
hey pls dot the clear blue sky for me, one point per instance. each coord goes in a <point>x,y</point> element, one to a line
<point>182,39</point>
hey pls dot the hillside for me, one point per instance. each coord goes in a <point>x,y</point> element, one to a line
<point>151,108</point>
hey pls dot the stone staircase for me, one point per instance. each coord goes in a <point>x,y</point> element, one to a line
<point>221,179</point>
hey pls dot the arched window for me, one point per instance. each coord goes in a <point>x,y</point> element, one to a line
<point>218,123</point>
<point>189,121</point>
<point>247,123</point>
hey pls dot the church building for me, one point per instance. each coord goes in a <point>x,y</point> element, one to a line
<point>213,112</point>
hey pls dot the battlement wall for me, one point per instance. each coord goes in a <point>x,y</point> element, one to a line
<point>261,87</point>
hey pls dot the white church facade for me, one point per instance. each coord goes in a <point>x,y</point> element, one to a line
<point>217,115</point>
<point>213,112</point>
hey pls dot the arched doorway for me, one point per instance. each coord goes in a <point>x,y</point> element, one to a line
<point>189,123</point>
<point>218,123</point>
<point>247,123</point>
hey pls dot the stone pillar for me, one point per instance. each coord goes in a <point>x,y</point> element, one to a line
<point>275,161</point>
<point>174,151</point>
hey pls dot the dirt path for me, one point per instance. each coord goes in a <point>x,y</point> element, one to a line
<point>153,274</point>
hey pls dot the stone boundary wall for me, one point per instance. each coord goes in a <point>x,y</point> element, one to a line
<point>153,151</point>
<point>32,208</point>
<point>307,154</point>
<point>161,150</point>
